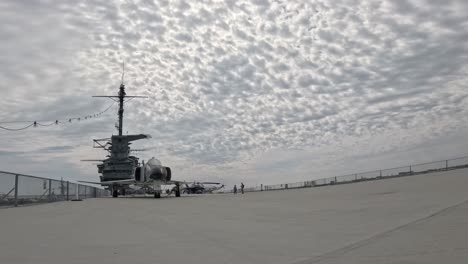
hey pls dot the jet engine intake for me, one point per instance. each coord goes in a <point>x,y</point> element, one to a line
<point>168,173</point>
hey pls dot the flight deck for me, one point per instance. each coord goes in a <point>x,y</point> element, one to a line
<point>417,219</point>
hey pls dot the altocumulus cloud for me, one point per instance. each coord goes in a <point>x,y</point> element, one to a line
<point>259,91</point>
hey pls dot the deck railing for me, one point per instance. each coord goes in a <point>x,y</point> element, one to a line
<point>17,189</point>
<point>416,169</point>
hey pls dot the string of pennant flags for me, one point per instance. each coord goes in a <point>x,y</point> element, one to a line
<point>50,123</point>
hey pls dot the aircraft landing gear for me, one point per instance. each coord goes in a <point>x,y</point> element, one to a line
<point>157,189</point>
<point>115,193</point>
<point>177,190</point>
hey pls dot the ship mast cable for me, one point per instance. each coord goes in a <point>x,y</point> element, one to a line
<point>17,129</point>
<point>60,120</point>
<point>53,123</point>
<point>45,122</point>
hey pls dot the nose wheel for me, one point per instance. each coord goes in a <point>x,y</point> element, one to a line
<point>157,189</point>
<point>115,191</point>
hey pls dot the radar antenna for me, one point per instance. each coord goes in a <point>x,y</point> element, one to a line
<point>120,99</point>
<point>123,72</point>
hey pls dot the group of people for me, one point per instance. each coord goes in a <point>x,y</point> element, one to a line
<point>241,187</point>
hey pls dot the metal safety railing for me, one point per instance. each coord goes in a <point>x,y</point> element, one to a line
<point>17,189</point>
<point>422,168</point>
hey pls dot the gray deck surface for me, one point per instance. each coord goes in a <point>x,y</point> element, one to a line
<point>418,219</point>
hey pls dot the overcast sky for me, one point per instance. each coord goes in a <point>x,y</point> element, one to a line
<point>260,91</point>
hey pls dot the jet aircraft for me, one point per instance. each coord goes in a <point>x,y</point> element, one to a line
<point>199,187</point>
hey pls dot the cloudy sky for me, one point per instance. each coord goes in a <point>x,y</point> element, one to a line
<point>260,91</point>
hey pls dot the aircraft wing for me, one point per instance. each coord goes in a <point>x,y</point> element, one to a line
<point>130,181</point>
<point>209,182</point>
<point>175,182</point>
<point>186,182</point>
